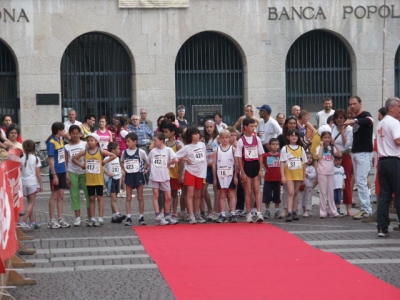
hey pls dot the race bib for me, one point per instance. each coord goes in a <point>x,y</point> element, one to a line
<point>294,163</point>
<point>160,161</point>
<point>273,161</point>
<point>261,134</point>
<point>61,156</point>
<point>103,144</point>
<point>115,168</point>
<point>131,165</point>
<point>198,155</point>
<point>93,166</point>
<point>75,152</point>
<point>251,152</point>
<point>225,171</point>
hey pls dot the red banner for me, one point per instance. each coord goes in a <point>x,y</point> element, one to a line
<point>12,167</point>
<point>8,238</point>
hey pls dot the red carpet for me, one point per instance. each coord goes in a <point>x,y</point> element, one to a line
<point>252,261</point>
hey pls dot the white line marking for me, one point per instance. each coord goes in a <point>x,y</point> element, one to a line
<point>82,238</point>
<point>353,242</point>
<point>87,257</point>
<point>331,231</point>
<point>89,249</point>
<point>374,261</point>
<point>87,268</point>
<point>348,250</point>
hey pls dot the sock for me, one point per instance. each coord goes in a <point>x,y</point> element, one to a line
<point>167,215</point>
<point>157,214</point>
<point>223,214</point>
<point>117,213</point>
<point>93,219</point>
<point>101,219</point>
<point>258,213</point>
<point>128,216</point>
<point>233,213</point>
<point>140,216</point>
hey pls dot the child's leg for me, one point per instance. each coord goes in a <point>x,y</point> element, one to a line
<point>222,200</point>
<point>29,209</point>
<point>60,203</point>
<point>100,200</point>
<point>128,200</point>
<point>190,199</point>
<point>337,195</point>
<point>265,194</point>
<point>74,193</point>
<point>52,204</point>
<point>139,191</point>
<point>167,202</point>
<point>216,202</point>
<point>308,192</point>
<point>284,198</point>
<point>114,208</point>
<point>331,201</point>
<point>174,196</point>
<point>155,201</point>
<point>182,199</point>
<point>247,194</point>
<point>290,195</point>
<point>232,200</point>
<point>301,201</point>
<point>196,200</point>
<point>323,185</point>
<point>296,187</point>
<point>93,206</point>
<point>257,194</point>
<point>207,198</point>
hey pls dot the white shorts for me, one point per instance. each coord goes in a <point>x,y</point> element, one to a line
<point>30,190</point>
<point>163,186</point>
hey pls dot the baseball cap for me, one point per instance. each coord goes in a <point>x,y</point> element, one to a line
<point>116,116</point>
<point>266,108</point>
<point>95,136</point>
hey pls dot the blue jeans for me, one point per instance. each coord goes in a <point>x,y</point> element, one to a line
<point>362,166</point>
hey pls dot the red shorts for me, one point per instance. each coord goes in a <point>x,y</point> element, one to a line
<point>175,184</point>
<point>191,180</point>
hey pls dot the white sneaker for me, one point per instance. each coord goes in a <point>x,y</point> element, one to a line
<point>306,214</point>
<point>24,226</point>
<point>161,221</point>
<point>249,218</point>
<point>171,220</point>
<point>77,222</point>
<point>192,219</point>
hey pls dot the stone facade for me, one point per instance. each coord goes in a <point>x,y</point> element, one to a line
<point>263,30</point>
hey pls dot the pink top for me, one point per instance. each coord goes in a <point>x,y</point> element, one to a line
<point>105,138</point>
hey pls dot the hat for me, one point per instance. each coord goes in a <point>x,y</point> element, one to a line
<point>266,108</point>
<point>95,136</point>
<point>323,128</point>
<point>116,116</point>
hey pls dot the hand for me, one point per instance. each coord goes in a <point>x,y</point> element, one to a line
<point>321,143</point>
<point>349,122</point>
<point>244,178</point>
<point>283,180</point>
<point>235,180</point>
<point>67,178</point>
<point>55,180</point>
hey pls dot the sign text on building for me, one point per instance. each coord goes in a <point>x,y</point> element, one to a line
<point>153,3</point>
<point>10,15</point>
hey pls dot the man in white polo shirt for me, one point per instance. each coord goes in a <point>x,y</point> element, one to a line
<point>323,115</point>
<point>72,121</point>
<point>268,127</point>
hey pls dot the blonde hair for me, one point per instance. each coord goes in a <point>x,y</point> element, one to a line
<point>225,132</point>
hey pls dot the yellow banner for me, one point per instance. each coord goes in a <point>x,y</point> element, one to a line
<point>153,3</point>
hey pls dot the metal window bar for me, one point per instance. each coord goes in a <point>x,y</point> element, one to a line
<point>318,65</point>
<point>209,71</point>
<point>397,73</point>
<point>96,77</point>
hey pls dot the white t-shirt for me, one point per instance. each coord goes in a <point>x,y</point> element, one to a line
<point>124,133</point>
<point>249,140</point>
<point>112,167</point>
<point>285,155</point>
<point>268,130</point>
<point>29,172</point>
<point>388,130</point>
<point>196,153</point>
<point>68,125</point>
<point>221,127</point>
<point>322,116</point>
<point>73,150</point>
<point>339,176</point>
<point>3,134</point>
<point>344,148</point>
<point>158,160</point>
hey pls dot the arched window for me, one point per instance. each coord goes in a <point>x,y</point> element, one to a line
<point>9,104</point>
<point>209,78</point>
<point>397,73</point>
<point>96,77</point>
<point>318,65</point>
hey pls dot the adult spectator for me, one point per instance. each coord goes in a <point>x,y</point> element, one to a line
<point>88,126</point>
<point>218,122</point>
<point>381,113</point>
<point>7,121</point>
<point>248,113</point>
<point>343,136</point>
<point>144,120</point>
<point>296,111</point>
<point>323,115</point>
<point>143,132</point>
<point>389,164</point>
<point>114,126</point>
<point>12,135</point>
<point>280,118</point>
<point>71,121</point>
<point>181,116</point>
<point>350,114</point>
<point>290,123</point>
<point>268,127</point>
<point>362,150</point>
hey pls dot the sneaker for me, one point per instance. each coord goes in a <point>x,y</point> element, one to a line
<point>161,221</point>
<point>240,213</point>
<point>295,217</point>
<point>383,232</point>
<point>128,222</point>
<point>119,218</point>
<point>199,219</point>
<point>222,219</point>
<point>233,219</point>
<point>278,214</point>
<point>249,218</point>
<point>361,215</point>
<point>306,214</point>
<point>182,216</point>
<point>288,217</point>
<point>96,223</point>
<point>267,214</point>
<point>141,221</point>
<point>53,224</point>
<point>101,221</point>
<point>89,223</point>
<point>35,225</point>
<point>24,226</point>
<point>254,212</point>
<point>171,220</point>
<point>63,224</point>
<point>284,213</point>
<point>77,222</point>
<point>260,218</point>
<point>192,219</point>
<point>212,217</point>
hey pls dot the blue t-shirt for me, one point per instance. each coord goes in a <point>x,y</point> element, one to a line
<point>55,148</point>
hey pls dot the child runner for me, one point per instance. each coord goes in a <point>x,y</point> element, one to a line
<point>160,159</point>
<point>31,183</point>
<point>94,175</point>
<point>132,164</point>
<point>225,176</point>
<point>326,170</point>
<point>210,138</point>
<point>293,157</point>
<point>339,182</point>
<point>120,135</point>
<point>58,175</point>
<point>272,179</point>
<point>170,131</point>
<point>249,153</point>
<point>76,174</point>
<point>104,134</point>
<point>112,177</point>
<point>194,154</point>
<point>305,196</point>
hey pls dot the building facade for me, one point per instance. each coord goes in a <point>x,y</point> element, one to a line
<point>213,55</point>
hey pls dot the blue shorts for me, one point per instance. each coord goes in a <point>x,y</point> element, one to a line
<point>113,185</point>
<point>134,179</point>
<point>209,177</point>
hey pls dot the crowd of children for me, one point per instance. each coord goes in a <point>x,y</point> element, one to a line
<point>233,163</point>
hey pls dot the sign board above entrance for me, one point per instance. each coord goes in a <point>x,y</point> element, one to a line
<point>153,3</point>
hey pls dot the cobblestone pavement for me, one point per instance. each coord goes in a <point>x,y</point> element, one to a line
<point>109,262</point>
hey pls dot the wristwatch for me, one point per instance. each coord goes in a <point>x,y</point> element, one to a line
<point>356,120</point>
